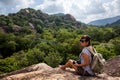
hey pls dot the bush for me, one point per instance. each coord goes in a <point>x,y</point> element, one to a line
<point>34,56</point>
<point>116,43</point>
<point>8,64</point>
<point>74,57</point>
<point>107,50</point>
<point>53,59</point>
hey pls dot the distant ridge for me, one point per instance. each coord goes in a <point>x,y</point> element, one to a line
<point>59,14</point>
<point>116,23</point>
<point>103,22</point>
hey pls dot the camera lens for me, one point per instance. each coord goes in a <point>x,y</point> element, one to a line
<point>73,62</point>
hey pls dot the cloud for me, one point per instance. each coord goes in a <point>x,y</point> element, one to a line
<point>10,6</point>
<point>51,6</point>
<point>112,8</point>
<point>108,9</point>
<point>83,10</point>
<point>24,3</point>
<point>80,9</point>
<point>6,2</point>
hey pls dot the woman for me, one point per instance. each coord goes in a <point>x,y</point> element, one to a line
<point>82,66</point>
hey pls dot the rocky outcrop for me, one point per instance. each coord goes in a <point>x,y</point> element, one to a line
<point>69,17</point>
<point>42,71</point>
<point>112,67</point>
<point>16,28</point>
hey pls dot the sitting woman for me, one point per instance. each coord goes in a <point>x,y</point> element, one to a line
<point>82,66</point>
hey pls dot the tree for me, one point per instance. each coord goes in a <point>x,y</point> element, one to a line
<point>23,43</point>
<point>39,29</point>
<point>47,35</point>
<point>7,44</point>
<point>34,56</point>
<point>8,64</point>
<point>63,35</point>
<point>45,47</point>
<point>116,43</point>
<point>53,59</point>
<point>94,32</point>
<point>107,50</point>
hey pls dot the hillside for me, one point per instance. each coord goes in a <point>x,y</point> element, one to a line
<point>117,23</point>
<point>103,22</point>
<point>35,20</point>
<point>42,71</point>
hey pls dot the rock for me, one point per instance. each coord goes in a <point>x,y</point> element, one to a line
<point>31,25</point>
<point>56,74</point>
<point>42,71</point>
<point>112,67</point>
<point>37,67</point>
<point>16,28</point>
<point>69,17</point>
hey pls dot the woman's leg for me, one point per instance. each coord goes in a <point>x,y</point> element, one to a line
<point>69,64</point>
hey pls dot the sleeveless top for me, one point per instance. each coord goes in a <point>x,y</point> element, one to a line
<point>86,68</point>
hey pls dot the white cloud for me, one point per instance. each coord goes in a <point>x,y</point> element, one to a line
<point>10,6</point>
<point>112,8</point>
<point>51,6</point>
<point>24,3</point>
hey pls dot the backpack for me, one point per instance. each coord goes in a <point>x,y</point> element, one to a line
<point>98,62</point>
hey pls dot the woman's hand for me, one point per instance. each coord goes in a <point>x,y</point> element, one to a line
<point>77,65</point>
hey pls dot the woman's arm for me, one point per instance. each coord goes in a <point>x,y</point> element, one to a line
<point>86,60</point>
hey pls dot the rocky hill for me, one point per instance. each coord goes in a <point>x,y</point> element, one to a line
<point>42,71</point>
<point>36,20</point>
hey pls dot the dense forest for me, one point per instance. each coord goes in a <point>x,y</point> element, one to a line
<point>31,36</point>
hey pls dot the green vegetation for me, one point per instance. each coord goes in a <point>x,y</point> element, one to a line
<point>30,37</point>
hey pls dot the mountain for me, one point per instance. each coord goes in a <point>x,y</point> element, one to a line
<point>36,20</point>
<point>116,23</point>
<point>103,22</point>
<point>42,71</point>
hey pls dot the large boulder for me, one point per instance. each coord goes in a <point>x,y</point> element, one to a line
<point>69,17</point>
<point>112,67</point>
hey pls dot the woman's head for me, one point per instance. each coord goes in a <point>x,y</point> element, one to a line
<point>85,41</point>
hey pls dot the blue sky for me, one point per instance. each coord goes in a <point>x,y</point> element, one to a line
<point>82,10</point>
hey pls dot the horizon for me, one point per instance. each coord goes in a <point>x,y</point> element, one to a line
<point>79,8</point>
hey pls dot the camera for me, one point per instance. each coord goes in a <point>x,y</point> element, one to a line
<point>73,62</point>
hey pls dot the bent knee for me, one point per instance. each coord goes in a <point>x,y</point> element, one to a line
<point>70,60</point>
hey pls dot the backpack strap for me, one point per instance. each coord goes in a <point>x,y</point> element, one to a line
<point>92,52</point>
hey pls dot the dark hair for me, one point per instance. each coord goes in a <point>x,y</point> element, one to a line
<point>87,38</point>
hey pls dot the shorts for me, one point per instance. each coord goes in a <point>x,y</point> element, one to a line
<point>82,72</point>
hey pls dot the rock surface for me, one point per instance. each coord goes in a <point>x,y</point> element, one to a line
<point>69,17</point>
<point>112,67</point>
<point>42,71</point>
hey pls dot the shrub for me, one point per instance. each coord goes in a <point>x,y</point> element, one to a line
<point>53,59</point>
<point>34,56</point>
<point>8,64</point>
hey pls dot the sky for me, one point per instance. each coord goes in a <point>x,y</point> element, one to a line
<point>83,10</point>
